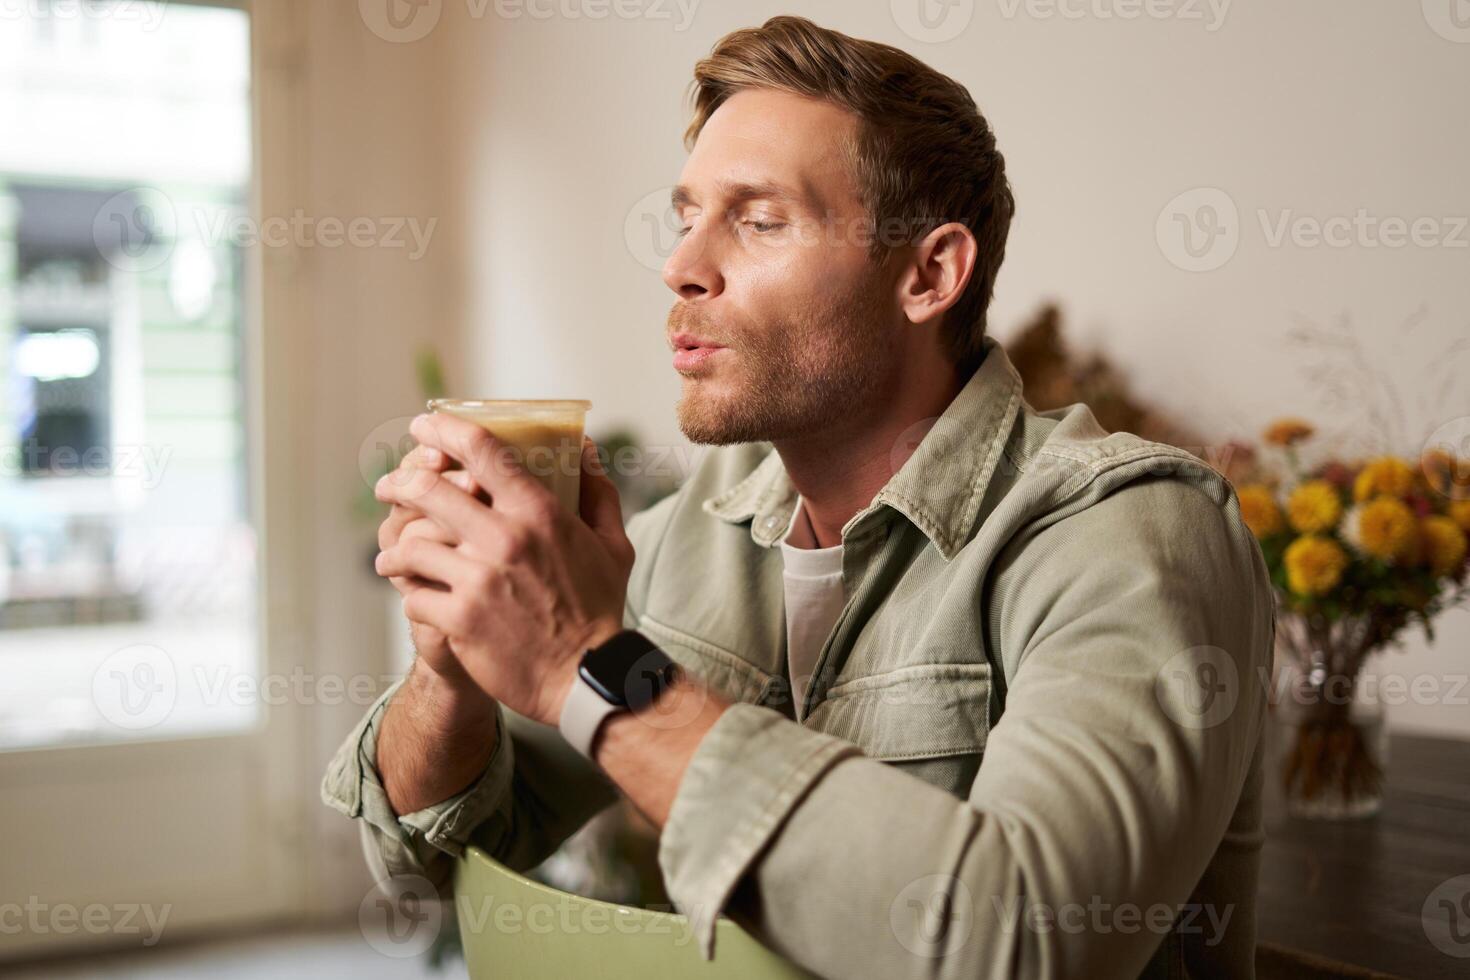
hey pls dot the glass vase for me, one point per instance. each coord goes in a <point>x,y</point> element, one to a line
<point>1332,740</point>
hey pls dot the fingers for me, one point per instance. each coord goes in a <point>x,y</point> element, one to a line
<point>418,527</point>
<point>441,498</point>
<point>427,457</point>
<point>422,528</point>
<point>496,466</point>
<point>425,559</point>
<point>420,457</point>
<point>403,516</point>
<point>600,505</point>
<point>416,459</point>
<point>439,610</point>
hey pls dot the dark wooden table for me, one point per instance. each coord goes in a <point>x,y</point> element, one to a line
<point>1335,895</point>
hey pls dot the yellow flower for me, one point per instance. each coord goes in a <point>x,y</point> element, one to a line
<point>1314,507</point>
<point>1288,431</point>
<point>1459,512</point>
<point>1444,544</point>
<point>1259,511</point>
<point>1387,476</point>
<point>1314,565</point>
<point>1386,529</point>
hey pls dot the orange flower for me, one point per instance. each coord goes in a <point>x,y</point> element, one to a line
<point>1288,431</point>
<point>1314,565</point>
<point>1314,507</point>
<point>1387,476</point>
<point>1459,512</point>
<point>1259,511</point>
<point>1384,528</point>
<point>1444,544</point>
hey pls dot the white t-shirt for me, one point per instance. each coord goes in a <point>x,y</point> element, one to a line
<point>814,599</point>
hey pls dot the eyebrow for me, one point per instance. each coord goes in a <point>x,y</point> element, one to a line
<point>741,191</point>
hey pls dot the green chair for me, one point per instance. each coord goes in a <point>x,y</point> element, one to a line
<point>514,928</point>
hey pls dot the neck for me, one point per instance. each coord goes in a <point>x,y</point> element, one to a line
<point>840,469</point>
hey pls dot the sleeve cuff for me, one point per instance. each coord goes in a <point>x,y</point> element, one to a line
<point>353,787</point>
<point>448,825</point>
<point>750,771</point>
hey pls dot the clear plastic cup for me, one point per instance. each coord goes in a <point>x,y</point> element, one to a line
<point>544,437</point>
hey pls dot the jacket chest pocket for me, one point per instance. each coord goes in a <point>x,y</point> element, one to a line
<point>733,677</point>
<point>928,719</point>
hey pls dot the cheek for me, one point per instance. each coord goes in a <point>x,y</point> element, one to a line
<point>776,284</point>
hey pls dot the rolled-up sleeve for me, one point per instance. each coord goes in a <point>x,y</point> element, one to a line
<point>423,842</point>
<point>1103,788</point>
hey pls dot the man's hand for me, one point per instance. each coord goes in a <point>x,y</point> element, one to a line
<point>521,587</point>
<point>405,523</point>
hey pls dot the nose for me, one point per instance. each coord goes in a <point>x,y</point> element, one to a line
<point>693,270</point>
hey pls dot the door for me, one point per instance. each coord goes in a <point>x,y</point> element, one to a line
<point>136,707</point>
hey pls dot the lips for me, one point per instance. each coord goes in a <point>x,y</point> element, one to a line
<point>691,353</point>
<point>688,341</point>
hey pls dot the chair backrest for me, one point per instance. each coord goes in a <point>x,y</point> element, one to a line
<point>514,928</point>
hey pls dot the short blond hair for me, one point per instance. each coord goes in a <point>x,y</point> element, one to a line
<point>924,155</point>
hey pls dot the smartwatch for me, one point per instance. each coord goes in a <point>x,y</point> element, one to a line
<point>627,673</point>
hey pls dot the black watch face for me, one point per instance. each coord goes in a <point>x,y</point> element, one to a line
<point>628,670</point>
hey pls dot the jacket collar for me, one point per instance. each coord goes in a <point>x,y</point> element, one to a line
<point>939,487</point>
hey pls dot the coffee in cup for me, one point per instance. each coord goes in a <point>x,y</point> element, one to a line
<point>543,437</point>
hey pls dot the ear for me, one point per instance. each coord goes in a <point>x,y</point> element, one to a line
<point>937,272</point>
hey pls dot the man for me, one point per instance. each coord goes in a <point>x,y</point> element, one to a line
<point>967,690</point>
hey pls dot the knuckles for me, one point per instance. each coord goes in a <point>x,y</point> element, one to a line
<point>515,544</point>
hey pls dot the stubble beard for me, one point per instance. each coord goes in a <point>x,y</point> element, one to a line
<point>798,376</point>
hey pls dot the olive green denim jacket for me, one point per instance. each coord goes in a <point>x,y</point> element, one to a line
<point>1032,743</point>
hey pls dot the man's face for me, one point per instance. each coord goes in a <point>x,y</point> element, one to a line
<point>783,325</point>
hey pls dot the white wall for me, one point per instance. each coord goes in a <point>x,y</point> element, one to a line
<point>559,126</point>
<point>348,129</point>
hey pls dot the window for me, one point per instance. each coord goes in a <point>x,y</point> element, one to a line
<point>127,554</point>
